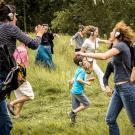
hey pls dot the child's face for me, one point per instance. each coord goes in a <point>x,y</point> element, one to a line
<point>87,65</point>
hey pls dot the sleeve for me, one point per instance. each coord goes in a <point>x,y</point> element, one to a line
<point>75,36</point>
<point>119,46</point>
<point>107,74</point>
<point>21,36</point>
<point>81,75</point>
<point>84,45</point>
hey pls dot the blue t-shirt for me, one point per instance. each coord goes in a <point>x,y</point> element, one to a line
<point>78,87</point>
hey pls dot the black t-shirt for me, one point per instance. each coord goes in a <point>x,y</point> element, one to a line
<point>47,39</point>
<point>122,63</point>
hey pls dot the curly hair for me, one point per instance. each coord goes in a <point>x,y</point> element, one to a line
<point>127,34</point>
<point>88,30</point>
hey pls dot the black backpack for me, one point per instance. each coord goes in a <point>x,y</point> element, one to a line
<point>9,81</point>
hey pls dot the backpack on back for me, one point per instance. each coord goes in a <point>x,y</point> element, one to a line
<point>12,70</point>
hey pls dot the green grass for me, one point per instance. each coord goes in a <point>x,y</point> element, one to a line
<point>47,113</point>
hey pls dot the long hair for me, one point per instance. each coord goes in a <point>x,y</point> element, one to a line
<point>89,30</point>
<point>126,33</point>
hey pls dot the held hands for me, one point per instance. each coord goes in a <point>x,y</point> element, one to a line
<point>40,30</point>
<point>108,92</point>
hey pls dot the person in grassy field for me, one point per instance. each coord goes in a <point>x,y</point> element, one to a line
<point>79,100</point>
<point>78,38</point>
<point>9,33</point>
<point>45,49</point>
<point>122,37</point>
<point>91,44</point>
<point>24,92</point>
<point>109,69</point>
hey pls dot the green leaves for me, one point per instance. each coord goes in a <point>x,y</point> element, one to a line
<point>66,15</point>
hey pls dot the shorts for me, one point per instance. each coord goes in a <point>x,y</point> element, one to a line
<point>24,90</point>
<point>79,99</point>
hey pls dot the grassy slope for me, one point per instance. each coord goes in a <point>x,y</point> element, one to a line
<point>47,113</point>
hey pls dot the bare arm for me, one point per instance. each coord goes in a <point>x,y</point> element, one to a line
<point>104,41</point>
<point>101,56</point>
<point>83,82</point>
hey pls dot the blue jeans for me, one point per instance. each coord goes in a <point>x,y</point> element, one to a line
<point>123,96</point>
<point>5,121</point>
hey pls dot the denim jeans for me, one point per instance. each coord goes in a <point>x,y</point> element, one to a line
<point>123,96</point>
<point>5,121</point>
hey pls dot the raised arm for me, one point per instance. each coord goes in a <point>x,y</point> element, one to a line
<point>104,41</point>
<point>101,56</point>
<point>83,82</point>
<point>31,43</point>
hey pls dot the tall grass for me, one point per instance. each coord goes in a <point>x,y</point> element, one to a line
<point>47,113</point>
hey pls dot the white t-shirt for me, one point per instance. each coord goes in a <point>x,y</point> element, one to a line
<point>90,46</point>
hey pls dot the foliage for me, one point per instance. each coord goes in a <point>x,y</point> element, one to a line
<point>66,15</point>
<point>102,15</point>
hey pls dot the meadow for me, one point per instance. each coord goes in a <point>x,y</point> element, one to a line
<point>47,113</point>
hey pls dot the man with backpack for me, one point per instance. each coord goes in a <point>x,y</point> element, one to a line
<point>9,33</point>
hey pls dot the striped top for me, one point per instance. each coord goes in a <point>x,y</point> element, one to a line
<point>10,33</point>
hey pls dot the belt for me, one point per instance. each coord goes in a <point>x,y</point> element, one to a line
<point>119,83</point>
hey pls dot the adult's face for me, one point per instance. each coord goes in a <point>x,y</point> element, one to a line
<point>96,32</point>
<point>46,29</point>
<point>112,36</point>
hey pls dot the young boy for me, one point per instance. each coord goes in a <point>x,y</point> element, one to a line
<point>79,100</point>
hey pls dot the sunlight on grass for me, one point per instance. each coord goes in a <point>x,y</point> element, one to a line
<point>47,113</point>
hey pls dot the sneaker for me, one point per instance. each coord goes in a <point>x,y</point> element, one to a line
<point>11,109</point>
<point>72,116</point>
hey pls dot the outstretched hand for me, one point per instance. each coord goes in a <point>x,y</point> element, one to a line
<point>40,30</point>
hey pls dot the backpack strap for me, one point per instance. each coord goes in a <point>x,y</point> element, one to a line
<point>5,56</point>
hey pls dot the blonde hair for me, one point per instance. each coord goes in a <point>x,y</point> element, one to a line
<point>88,30</point>
<point>126,32</point>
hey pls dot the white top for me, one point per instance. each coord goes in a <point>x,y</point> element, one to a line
<point>90,46</point>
